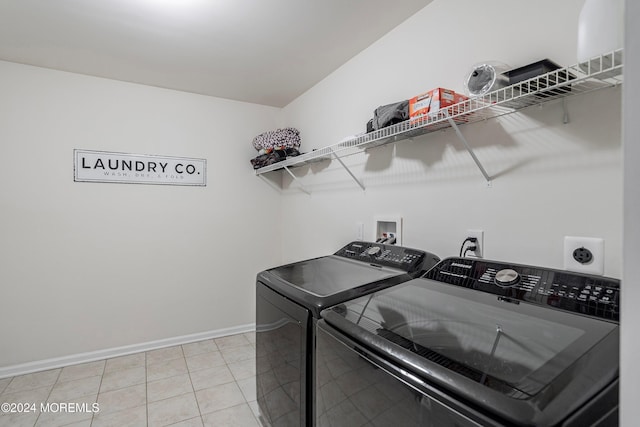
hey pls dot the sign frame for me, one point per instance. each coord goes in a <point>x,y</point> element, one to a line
<point>127,168</point>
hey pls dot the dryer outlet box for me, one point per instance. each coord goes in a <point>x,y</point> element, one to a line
<point>584,254</point>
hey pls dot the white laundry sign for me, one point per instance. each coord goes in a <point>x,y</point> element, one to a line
<point>102,166</point>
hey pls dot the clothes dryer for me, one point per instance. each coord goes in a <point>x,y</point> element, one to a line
<point>289,300</point>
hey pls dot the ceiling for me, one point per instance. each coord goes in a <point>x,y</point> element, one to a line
<point>260,51</point>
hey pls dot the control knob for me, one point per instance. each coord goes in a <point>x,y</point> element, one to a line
<point>507,277</point>
<point>373,250</point>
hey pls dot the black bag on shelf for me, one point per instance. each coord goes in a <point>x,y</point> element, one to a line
<point>370,126</point>
<point>390,114</point>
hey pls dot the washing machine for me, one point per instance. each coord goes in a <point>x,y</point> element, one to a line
<point>289,300</point>
<point>473,343</point>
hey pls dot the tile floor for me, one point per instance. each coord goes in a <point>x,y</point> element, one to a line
<point>205,383</point>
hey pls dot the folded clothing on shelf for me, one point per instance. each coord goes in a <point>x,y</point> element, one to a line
<point>272,157</point>
<point>278,139</point>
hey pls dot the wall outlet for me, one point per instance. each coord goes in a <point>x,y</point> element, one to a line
<point>478,234</point>
<point>584,254</point>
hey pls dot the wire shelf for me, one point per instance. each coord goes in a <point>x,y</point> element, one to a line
<point>598,73</point>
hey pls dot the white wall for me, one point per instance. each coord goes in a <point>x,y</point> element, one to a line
<point>549,179</point>
<point>87,266</point>
<point>630,347</point>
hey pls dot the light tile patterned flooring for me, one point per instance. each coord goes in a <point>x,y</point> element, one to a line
<point>205,383</point>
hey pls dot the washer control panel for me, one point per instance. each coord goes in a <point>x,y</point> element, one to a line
<point>378,254</point>
<point>582,293</point>
<point>507,277</point>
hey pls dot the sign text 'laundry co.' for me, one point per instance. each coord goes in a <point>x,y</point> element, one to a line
<point>101,166</point>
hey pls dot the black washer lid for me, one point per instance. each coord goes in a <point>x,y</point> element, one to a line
<point>322,282</point>
<point>331,274</point>
<point>510,356</point>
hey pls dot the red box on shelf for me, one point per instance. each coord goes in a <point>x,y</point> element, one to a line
<point>433,101</point>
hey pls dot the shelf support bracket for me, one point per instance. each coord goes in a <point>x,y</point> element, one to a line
<point>565,111</point>
<point>468,147</point>
<point>269,183</point>
<point>348,170</point>
<point>296,179</point>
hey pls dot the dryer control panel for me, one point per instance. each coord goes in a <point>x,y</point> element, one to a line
<point>409,260</point>
<point>582,293</point>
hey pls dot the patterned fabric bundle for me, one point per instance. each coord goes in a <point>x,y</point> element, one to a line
<point>277,139</point>
<point>274,157</point>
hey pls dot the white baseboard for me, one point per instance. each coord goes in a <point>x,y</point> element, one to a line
<point>74,359</point>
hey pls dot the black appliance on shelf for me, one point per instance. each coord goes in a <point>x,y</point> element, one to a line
<point>473,343</point>
<point>289,300</point>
